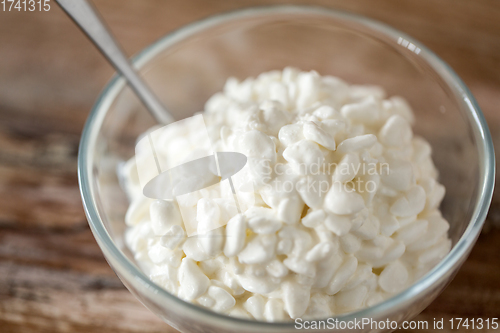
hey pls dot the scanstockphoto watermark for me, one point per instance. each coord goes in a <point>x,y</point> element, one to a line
<point>321,177</point>
<point>358,324</point>
<point>371,324</point>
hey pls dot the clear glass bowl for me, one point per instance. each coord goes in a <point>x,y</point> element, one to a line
<point>189,65</point>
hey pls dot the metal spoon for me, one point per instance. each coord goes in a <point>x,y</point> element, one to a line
<point>87,18</point>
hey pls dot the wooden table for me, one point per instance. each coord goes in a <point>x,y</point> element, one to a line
<point>53,277</point>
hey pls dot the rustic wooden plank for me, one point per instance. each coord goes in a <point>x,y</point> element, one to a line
<point>48,300</point>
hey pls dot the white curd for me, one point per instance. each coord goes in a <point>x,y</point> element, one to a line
<point>343,211</point>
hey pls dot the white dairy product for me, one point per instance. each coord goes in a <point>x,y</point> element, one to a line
<point>343,211</point>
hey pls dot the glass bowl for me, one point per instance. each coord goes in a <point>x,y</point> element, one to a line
<point>189,65</point>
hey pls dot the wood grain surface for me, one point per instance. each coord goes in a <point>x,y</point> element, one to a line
<point>53,277</point>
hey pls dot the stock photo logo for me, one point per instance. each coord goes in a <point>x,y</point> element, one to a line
<point>211,186</point>
<point>193,174</point>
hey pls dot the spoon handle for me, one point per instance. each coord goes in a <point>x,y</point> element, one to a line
<point>87,18</point>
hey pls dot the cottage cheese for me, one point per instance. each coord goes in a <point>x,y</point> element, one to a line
<point>343,212</point>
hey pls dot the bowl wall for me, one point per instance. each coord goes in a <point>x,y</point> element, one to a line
<point>187,67</point>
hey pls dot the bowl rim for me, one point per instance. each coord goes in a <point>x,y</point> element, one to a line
<point>476,119</point>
